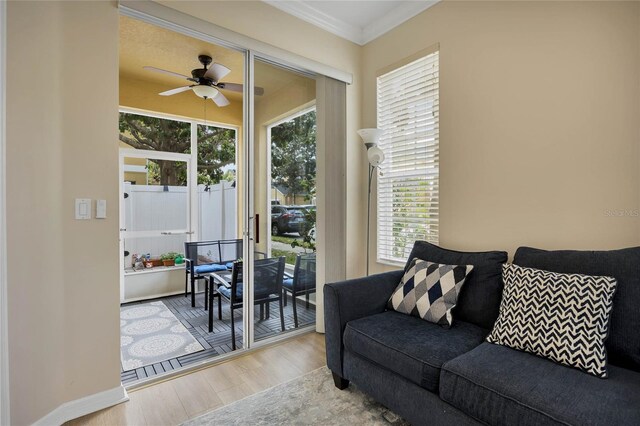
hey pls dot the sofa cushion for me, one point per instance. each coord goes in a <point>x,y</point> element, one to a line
<point>503,386</point>
<point>479,299</point>
<point>409,346</point>
<point>623,344</point>
<point>563,317</point>
<point>429,291</point>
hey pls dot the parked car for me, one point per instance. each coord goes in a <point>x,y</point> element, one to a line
<point>288,219</point>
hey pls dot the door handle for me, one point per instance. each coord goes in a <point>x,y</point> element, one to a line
<point>257,228</point>
<point>166,233</point>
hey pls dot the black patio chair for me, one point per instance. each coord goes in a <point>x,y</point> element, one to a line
<point>302,283</point>
<point>203,257</point>
<point>268,274</point>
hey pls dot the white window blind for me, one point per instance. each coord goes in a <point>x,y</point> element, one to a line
<point>408,179</point>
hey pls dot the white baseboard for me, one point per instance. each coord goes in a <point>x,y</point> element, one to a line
<point>80,407</point>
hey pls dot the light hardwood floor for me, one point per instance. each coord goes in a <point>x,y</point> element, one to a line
<point>176,400</point>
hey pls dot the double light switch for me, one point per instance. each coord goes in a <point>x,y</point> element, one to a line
<point>83,209</point>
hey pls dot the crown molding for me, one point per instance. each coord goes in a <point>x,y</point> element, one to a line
<point>395,17</point>
<point>301,10</point>
<point>403,12</point>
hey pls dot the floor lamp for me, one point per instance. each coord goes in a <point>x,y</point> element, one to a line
<point>375,157</point>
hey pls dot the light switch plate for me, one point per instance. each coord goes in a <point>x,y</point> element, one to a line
<point>101,209</point>
<point>83,208</point>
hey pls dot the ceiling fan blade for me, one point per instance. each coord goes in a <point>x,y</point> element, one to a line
<point>175,91</point>
<point>235,87</point>
<point>216,72</point>
<point>175,74</point>
<point>221,100</point>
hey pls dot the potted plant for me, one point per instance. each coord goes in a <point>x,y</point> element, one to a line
<point>169,259</point>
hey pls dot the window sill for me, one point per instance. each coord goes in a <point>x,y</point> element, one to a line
<point>393,263</point>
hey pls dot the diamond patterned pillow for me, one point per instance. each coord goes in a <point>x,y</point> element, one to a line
<point>429,291</point>
<point>563,317</point>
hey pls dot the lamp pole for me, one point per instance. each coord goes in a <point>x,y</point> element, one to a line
<point>375,157</point>
<point>371,170</point>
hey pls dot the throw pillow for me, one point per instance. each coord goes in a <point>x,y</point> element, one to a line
<point>429,290</point>
<point>563,317</point>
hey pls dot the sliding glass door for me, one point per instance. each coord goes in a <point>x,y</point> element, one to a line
<point>229,169</point>
<point>282,200</point>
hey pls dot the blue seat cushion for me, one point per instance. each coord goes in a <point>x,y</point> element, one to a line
<point>258,294</point>
<point>288,283</point>
<point>502,386</point>
<point>229,265</point>
<point>226,291</point>
<point>409,346</point>
<point>205,269</point>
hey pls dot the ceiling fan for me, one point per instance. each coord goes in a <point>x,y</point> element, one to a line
<point>207,81</point>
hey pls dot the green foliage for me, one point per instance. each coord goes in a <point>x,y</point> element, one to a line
<point>290,257</point>
<point>411,223</point>
<point>282,239</point>
<point>170,256</point>
<point>307,243</point>
<point>293,154</point>
<point>216,147</point>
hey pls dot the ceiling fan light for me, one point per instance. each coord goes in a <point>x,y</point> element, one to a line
<point>204,91</point>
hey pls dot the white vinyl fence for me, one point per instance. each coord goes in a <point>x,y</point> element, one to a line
<point>217,216</point>
<point>164,209</point>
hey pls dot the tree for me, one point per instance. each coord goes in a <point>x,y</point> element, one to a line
<point>216,149</point>
<point>216,146</point>
<point>293,154</point>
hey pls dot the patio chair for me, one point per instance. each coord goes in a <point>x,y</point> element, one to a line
<point>204,257</point>
<point>268,274</point>
<point>302,283</point>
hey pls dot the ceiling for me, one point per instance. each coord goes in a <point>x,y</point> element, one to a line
<point>145,44</point>
<point>359,21</point>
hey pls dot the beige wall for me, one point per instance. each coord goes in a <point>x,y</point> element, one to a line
<point>63,275</point>
<point>539,120</point>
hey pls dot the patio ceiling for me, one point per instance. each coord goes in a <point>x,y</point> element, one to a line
<point>145,44</point>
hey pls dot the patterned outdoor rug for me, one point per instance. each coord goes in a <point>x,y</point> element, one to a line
<point>150,333</point>
<point>308,400</point>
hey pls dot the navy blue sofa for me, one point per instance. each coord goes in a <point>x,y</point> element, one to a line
<point>435,376</point>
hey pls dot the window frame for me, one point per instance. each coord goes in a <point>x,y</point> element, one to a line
<point>430,145</point>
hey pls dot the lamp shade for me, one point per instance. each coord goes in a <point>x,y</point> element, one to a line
<point>370,136</point>
<point>205,91</point>
<point>375,156</point>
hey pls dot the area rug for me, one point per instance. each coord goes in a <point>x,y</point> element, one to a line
<point>150,333</point>
<point>308,400</point>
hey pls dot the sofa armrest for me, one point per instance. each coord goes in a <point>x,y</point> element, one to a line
<point>349,300</point>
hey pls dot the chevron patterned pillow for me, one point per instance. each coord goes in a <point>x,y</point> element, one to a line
<point>429,291</point>
<point>563,317</point>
